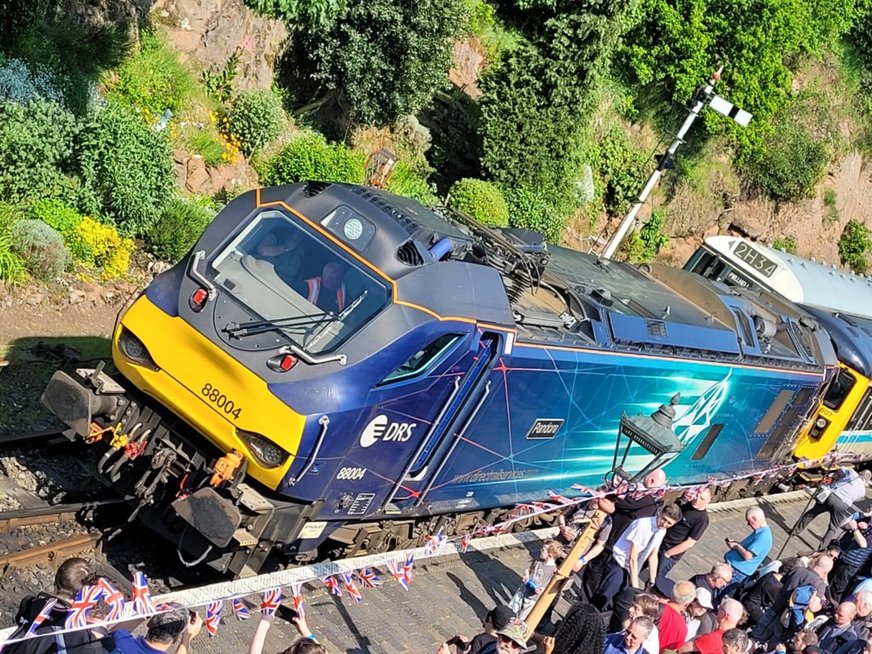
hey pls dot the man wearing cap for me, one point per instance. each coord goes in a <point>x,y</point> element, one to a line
<point>512,639</point>
<point>700,617</point>
<point>176,625</point>
<point>486,642</point>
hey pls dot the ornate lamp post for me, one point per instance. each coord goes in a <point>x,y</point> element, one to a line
<point>655,435</point>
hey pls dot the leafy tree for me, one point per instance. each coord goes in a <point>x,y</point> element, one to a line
<point>679,42</point>
<point>311,13</point>
<point>536,99</point>
<point>385,58</point>
<point>644,244</point>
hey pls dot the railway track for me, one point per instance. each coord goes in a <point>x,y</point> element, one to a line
<point>49,436</point>
<point>56,549</point>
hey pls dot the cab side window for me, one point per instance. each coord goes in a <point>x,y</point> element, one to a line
<point>423,359</point>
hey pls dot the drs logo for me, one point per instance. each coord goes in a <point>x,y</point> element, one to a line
<point>382,429</point>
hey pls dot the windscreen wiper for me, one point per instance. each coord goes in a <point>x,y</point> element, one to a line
<point>235,330</point>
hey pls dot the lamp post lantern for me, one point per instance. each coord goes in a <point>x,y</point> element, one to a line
<point>653,433</point>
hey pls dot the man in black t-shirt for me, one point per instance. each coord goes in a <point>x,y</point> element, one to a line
<point>682,536</point>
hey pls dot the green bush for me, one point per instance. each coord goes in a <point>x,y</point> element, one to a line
<point>65,220</point>
<point>36,145</point>
<point>791,165</point>
<point>530,210</point>
<point>41,247</point>
<point>854,243</point>
<point>644,244</point>
<point>126,169</point>
<point>255,119</point>
<point>153,78</point>
<point>480,200</point>
<point>310,157</point>
<point>408,182</point>
<point>623,169</point>
<point>786,244</point>
<point>178,228</point>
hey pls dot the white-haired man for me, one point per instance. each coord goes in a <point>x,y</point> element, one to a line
<point>745,556</point>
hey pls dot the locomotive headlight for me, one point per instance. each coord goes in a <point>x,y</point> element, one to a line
<point>267,453</point>
<point>818,428</point>
<point>134,349</point>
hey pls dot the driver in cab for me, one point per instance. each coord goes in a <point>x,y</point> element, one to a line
<point>327,290</point>
<point>283,250</point>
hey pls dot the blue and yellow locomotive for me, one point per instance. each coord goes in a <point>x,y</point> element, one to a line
<point>336,370</point>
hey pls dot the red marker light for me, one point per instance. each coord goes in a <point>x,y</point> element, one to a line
<point>287,362</point>
<point>198,299</point>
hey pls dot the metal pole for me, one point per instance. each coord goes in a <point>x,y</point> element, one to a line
<point>704,99</point>
<point>580,545</point>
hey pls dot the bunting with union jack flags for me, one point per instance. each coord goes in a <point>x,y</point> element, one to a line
<point>240,610</point>
<point>271,601</point>
<point>213,617</point>
<point>465,541</point>
<point>86,599</point>
<point>332,585</point>
<point>402,571</point>
<point>351,588</point>
<point>114,598</point>
<point>368,578</point>
<point>297,593</point>
<point>41,617</point>
<point>432,544</point>
<point>141,603</point>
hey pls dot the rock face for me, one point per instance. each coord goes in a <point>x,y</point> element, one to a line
<point>210,31</point>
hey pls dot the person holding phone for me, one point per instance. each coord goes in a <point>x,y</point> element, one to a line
<point>306,644</point>
<point>745,556</point>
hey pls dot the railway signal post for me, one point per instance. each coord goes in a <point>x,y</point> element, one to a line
<point>702,98</point>
<point>652,433</point>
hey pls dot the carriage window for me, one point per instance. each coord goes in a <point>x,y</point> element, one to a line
<point>839,389</point>
<point>767,422</point>
<point>423,359</point>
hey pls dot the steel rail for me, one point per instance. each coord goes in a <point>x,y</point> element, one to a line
<point>50,514</point>
<point>49,553</point>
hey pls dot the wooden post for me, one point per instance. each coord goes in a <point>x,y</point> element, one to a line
<point>580,545</point>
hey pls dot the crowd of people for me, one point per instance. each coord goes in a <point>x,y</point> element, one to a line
<point>623,596</point>
<point>625,599</point>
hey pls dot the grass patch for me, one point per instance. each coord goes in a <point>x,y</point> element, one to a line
<point>207,143</point>
<point>488,29</point>
<point>154,79</point>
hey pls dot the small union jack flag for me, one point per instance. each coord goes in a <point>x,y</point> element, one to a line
<point>464,542</point>
<point>432,544</point>
<point>271,600</point>
<point>333,585</point>
<point>240,610</point>
<point>41,617</point>
<point>407,569</point>
<point>86,599</point>
<point>114,598</point>
<point>369,578</point>
<point>297,592</point>
<point>141,602</point>
<point>213,617</point>
<point>351,588</point>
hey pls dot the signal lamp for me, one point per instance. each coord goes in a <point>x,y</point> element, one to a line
<point>198,299</point>
<point>282,363</point>
<point>267,453</point>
